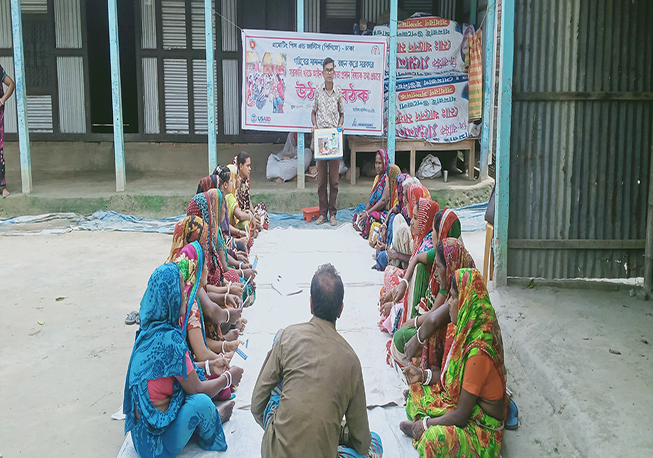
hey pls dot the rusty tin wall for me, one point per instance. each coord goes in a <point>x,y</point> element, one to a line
<point>581,138</point>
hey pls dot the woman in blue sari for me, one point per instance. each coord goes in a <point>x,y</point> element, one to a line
<point>382,197</point>
<point>166,400</point>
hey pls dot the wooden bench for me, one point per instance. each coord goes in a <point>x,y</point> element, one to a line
<point>373,144</point>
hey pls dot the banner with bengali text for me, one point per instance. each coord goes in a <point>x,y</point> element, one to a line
<point>282,70</point>
<point>429,46</point>
<point>432,108</point>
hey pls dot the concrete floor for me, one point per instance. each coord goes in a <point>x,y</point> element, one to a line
<point>62,380</point>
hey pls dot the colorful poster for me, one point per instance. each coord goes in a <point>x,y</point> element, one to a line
<point>433,108</point>
<point>429,46</point>
<point>282,70</point>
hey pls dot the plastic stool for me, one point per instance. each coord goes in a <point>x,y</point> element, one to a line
<point>310,212</point>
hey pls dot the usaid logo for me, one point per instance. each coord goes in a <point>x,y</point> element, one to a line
<point>260,119</point>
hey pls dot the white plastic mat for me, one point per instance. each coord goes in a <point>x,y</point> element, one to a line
<point>295,254</point>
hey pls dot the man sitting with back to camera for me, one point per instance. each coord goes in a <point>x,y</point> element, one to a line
<point>309,381</point>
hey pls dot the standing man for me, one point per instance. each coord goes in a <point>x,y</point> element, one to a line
<point>328,111</point>
<point>311,379</point>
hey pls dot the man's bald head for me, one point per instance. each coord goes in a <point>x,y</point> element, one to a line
<point>327,293</point>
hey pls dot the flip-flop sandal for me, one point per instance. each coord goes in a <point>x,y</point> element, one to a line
<point>132,318</point>
<point>512,422</point>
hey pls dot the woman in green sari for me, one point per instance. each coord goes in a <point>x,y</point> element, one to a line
<point>461,412</point>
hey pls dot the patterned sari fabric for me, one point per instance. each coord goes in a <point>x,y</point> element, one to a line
<point>207,183</point>
<point>426,212</point>
<point>188,230</point>
<point>476,332</point>
<point>202,205</point>
<point>160,351</point>
<point>449,225</point>
<point>456,257</point>
<point>401,206</point>
<point>380,182</point>
<point>243,196</point>
<point>191,262</point>
<point>415,192</point>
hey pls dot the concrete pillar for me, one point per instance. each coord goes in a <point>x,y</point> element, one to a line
<point>502,196</point>
<point>116,96</point>
<point>488,84</point>
<point>210,84</point>
<point>392,83</point>
<point>301,178</point>
<point>21,97</point>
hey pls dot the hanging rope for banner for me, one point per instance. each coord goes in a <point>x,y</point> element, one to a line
<point>226,19</point>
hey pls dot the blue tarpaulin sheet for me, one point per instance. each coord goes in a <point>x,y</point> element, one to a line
<point>471,219</point>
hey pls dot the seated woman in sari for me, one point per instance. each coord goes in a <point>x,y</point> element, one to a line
<point>414,191</point>
<point>166,399</point>
<point>461,412</point>
<point>445,224</point>
<point>392,304</point>
<point>192,265</point>
<point>381,198</point>
<point>394,235</point>
<point>240,238</point>
<point>210,207</point>
<point>427,326</point>
<point>236,249</point>
<point>193,229</point>
<point>258,214</point>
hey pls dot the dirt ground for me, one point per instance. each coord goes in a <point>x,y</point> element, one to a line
<point>579,362</point>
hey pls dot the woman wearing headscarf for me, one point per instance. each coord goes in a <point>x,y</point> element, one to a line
<point>398,308</point>
<point>166,400</point>
<point>445,224</point>
<point>461,411</point>
<point>188,230</point>
<point>395,244</point>
<point>204,336</point>
<point>259,218</point>
<point>211,208</point>
<point>427,326</point>
<point>238,237</point>
<point>381,196</point>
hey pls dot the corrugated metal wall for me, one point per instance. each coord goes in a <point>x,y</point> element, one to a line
<point>372,9</point>
<point>148,24</point>
<point>72,104</point>
<point>39,113</point>
<point>581,138</point>
<point>68,30</point>
<point>230,101</point>
<point>5,24</point>
<point>150,95</point>
<point>230,36</point>
<point>34,6</point>
<point>312,15</point>
<point>199,96</point>
<point>173,14</point>
<point>175,82</point>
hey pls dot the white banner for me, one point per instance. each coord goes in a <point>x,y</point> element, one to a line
<point>433,108</point>
<point>429,46</point>
<point>282,70</point>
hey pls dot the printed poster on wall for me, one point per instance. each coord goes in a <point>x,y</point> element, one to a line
<point>433,108</point>
<point>282,70</point>
<point>429,46</point>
